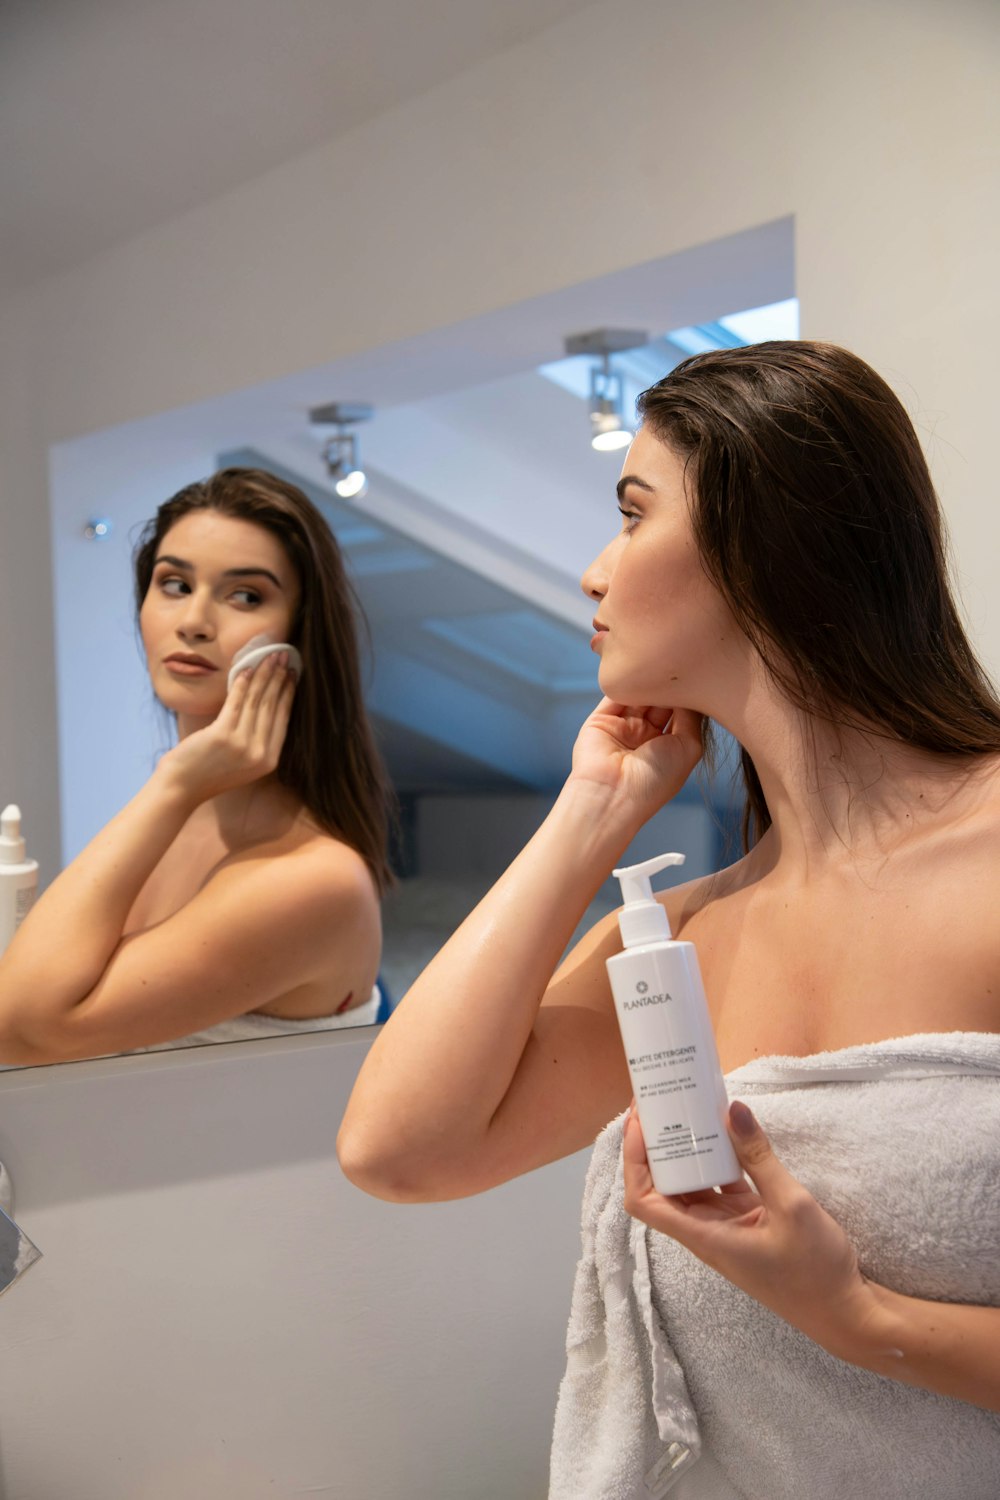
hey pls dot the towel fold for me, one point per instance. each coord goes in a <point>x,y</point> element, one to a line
<point>678,1382</point>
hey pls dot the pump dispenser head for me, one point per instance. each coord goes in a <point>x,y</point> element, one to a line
<point>11,842</point>
<point>642,919</point>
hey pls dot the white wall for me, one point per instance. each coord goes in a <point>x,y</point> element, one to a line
<point>628,132</point>
<point>220,1315</point>
<point>108,714</point>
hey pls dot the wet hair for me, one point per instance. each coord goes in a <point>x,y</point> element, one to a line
<point>815,517</point>
<point>329,758</point>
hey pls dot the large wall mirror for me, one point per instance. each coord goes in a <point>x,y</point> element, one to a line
<point>485,502</point>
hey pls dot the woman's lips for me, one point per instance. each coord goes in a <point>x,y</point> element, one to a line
<point>183,668</point>
<point>599,632</point>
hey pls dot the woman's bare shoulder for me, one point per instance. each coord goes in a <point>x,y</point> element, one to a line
<point>695,897</point>
<point>302,854</point>
<point>582,970</point>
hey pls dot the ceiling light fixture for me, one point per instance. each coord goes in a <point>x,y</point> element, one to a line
<point>608,429</point>
<point>340,451</point>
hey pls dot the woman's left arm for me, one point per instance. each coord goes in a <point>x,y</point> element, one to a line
<point>783,1249</point>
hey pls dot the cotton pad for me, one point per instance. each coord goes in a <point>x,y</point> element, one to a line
<point>253,653</point>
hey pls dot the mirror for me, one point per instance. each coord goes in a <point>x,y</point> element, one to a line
<point>485,503</point>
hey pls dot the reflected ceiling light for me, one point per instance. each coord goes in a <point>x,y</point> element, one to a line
<point>608,431</point>
<point>340,450</point>
<point>608,428</point>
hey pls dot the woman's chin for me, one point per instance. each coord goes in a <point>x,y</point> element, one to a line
<point>618,688</point>
<point>189,703</point>
<point>633,694</point>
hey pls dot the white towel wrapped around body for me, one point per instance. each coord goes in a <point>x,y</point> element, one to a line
<point>678,1382</point>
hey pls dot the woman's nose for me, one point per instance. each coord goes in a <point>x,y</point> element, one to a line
<point>196,621</point>
<point>595,578</point>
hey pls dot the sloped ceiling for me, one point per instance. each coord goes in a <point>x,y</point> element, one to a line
<point>116,115</point>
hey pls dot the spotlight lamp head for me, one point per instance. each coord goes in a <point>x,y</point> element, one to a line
<point>608,428</point>
<point>608,432</point>
<point>340,450</point>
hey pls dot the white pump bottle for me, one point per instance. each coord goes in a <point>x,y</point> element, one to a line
<point>18,875</point>
<point>672,1059</point>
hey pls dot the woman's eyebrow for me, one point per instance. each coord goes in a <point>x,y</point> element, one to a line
<point>628,479</point>
<point>179,562</point>
<point>252,573</point>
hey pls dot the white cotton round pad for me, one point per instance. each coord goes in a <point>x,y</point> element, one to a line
<point>253,653</point>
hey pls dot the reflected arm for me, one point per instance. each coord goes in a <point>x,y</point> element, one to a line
<point>71,986</point>
<point>64,944</point>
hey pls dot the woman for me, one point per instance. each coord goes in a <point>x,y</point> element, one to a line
<point>244,878</point>
<point>779,570</point>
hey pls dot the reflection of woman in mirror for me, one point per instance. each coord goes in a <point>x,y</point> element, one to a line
<point>243,880</point>
<point>779,570</point>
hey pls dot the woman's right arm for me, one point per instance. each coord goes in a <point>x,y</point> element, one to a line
<point>491,1066</point>
<point>69,952</point>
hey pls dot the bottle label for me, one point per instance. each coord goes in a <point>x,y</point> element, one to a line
<point>659,1075</point>
<point>23,902</point>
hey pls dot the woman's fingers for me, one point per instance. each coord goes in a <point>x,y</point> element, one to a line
<point>232,709</point>
<point>774,1183</point>
<point>264,680</point>
<point>263,701</point>
<point>656,716</point>
<point>685,728</point>
<point>659,718</point>
<point>278,727</point>
<point>642,1200</point>
<point>634,1155</point>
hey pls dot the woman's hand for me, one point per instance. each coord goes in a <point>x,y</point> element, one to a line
<point>244,742</point>
<point>772,1239</point>
<point>645,753</point>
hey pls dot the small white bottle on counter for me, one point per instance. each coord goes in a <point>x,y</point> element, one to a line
<point>669,1044</point>
<point>18,875</point>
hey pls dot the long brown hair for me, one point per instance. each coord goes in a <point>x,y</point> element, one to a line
<point>815,517</point>
<point>329,759</point>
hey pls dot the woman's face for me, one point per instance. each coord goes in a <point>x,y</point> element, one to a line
<point>217,582</point>
<point>665,635</point>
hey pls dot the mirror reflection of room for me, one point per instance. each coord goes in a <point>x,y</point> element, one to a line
<point>474,637</point>
<point>237,894</point>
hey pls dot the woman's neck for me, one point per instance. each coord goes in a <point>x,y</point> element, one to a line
<point>841,798</point>
<point>262,809</point>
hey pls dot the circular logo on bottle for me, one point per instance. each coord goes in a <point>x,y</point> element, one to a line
<point>641,987</point>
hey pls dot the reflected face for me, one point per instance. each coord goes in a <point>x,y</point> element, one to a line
<point>217,582</point>
<point>664,634</point>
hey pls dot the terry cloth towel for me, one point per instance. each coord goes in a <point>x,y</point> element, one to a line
<point>678,1382</point>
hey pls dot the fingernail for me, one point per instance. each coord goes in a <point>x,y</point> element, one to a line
<point>742,1119</point>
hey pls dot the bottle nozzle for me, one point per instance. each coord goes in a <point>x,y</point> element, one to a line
<point>635,878</point>
<point>11,842</point>
<point>642,918</point>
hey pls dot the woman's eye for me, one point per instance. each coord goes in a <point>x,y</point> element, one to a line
<point>245,596</point>
<point>174,586</point>
<point>629,518</point>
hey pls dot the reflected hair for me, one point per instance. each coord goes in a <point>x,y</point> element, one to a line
<point>815,517</point>
<point>329,758</point>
